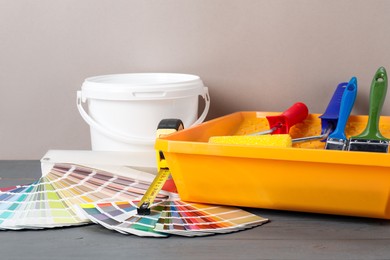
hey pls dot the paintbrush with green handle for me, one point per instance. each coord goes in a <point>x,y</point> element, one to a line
<point>371,139</point>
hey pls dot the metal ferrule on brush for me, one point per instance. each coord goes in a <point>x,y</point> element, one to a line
<point>336,144</point>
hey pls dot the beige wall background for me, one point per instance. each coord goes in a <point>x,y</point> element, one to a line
<point>253,55</point>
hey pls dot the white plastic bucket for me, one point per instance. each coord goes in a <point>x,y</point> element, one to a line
<point>125,109</point>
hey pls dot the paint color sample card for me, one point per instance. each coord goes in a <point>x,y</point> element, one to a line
<point>51,200</point>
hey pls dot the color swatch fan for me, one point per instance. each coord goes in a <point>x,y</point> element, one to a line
<point>51,200</point>
<point>71,195</point>
<point>171,217</point>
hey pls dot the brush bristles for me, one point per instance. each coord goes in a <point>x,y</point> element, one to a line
<point>282,140</point>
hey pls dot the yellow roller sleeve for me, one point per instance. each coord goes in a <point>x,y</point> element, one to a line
<point>282,140</point>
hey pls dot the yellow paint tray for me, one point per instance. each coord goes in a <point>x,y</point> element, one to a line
<point>303,178</point>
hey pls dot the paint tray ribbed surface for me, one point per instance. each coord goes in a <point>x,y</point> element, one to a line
<point>305,177</point>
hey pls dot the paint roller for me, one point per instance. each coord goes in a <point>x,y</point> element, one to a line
<point>279,128</point>
<point>278,140</point>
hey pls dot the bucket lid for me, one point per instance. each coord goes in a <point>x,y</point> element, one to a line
<point>142,86</point>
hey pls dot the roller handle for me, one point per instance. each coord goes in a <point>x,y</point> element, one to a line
<point>282,123</point>
<point>347,102</point>
<point>377,97</point>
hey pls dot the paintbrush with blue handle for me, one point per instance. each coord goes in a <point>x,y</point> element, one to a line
<point>337,140</point>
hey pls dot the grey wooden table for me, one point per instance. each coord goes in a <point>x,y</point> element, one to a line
<point>289,235</point>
